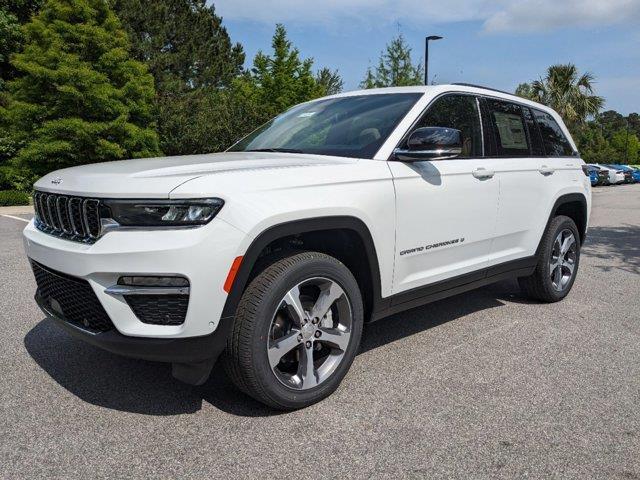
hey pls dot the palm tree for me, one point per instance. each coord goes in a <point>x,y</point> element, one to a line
<point>567,92</point>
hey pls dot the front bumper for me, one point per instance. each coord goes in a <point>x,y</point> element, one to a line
<point>173,350</point>
<point>192,358</point>
<point>202,255</point>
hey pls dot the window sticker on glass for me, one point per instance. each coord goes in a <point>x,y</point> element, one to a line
<point>511,130</point>
<point>306,114</point>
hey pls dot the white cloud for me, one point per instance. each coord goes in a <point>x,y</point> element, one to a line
<point>541,15</point>
<point>497,16</point>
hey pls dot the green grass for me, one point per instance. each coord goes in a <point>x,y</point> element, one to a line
<point>13,197</point>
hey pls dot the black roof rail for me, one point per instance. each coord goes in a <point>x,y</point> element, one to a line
<point>484,88</point>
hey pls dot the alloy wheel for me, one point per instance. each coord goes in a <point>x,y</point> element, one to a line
<point>309,333</point>
<point>563,259</point>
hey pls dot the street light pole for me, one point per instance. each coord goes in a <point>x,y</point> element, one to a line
<point>426,56</point>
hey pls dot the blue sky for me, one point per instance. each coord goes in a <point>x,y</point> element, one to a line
<point>493,43</point>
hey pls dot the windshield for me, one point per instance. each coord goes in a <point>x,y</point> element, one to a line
<point>345,126</point>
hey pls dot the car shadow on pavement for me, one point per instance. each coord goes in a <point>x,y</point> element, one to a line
<point>107,380</point>
<point>419,319</point>
<point>111,381</point>
<point>619,246</point>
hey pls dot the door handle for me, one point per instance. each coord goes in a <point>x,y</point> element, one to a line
<point>544,170</point>
<point>482,173</point>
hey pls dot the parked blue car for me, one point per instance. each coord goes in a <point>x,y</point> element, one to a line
<point>593,175</point>
<point>635,173</point>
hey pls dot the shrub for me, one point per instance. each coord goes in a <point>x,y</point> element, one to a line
<point>13,197</point>
<point>14,178</point>
<point>78,97</point>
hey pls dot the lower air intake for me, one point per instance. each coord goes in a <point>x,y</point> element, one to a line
<point>70,298</point>
<point>159,309</point>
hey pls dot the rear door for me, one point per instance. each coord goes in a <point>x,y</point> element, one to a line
<point>445,209</point>
<point>529,178</point>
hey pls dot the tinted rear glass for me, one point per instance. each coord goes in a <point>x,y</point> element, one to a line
<point>555,143</point>
<point>537,150</point>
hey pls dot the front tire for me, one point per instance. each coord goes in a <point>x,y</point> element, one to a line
<point>296,331</point>
<point>558,261</point>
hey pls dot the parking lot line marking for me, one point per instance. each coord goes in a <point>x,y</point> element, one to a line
<point>16,218</point>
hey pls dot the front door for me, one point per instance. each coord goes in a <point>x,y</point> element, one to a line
<point>446,209</point>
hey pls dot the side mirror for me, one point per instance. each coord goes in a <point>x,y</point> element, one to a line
<point>431,143</point>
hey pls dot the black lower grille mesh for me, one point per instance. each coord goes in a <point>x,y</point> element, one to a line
<point>72,298</point>
<point>159,309</point>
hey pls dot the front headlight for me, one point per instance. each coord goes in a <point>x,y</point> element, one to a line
<point>160,213</point>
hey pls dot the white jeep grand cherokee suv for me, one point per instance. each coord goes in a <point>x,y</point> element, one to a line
<point>340,211</point>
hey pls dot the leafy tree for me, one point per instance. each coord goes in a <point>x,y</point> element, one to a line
<point>634,123</point>
<point>626,145</point>
<point>567,92</point>
<point>593,145</point>
<point>219,118</point>
<point>610,122</point>
<point>10,39</point>
<point>211,119</point>
<point>21,9</point>
<point>182,41</point>
<point>395,67</point>
<point>13,13</point>
<point>191,56</point>
<point>79,98</point>
<point>525,90</point>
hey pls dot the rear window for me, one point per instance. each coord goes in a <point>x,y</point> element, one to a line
<point>554,141</point>
<point>509,128</point>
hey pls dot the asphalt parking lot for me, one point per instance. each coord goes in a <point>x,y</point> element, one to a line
<point>483,385</point>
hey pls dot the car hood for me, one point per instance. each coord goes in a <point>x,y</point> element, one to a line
<point>157,177</point>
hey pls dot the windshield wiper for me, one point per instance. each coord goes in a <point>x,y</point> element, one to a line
<point>280,150</point>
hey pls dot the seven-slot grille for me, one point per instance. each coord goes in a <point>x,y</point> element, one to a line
<point>74,218</point>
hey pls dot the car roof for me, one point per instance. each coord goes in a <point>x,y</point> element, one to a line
<point>445,88</point>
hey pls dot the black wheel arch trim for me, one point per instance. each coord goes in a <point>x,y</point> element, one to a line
<point>295,227</point>
<point>562,200</point>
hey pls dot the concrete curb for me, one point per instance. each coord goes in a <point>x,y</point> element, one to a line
<point>18,210</point>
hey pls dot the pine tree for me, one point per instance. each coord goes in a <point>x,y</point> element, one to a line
<point>330,81</point>
<point>79,98</point>
<point>284,79</point>
<point>395,67</point>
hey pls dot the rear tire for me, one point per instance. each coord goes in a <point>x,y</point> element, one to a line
<point>558,261</point>
<point>296,331</point>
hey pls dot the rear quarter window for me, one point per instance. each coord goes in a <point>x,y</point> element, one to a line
<point>554,141</point>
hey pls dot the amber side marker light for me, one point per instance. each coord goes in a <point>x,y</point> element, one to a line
<point>231,276</point>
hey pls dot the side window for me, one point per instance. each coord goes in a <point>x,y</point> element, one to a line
<point>459,112</point>
<point>534,134</point>
<point>509,129</point>
<point>555,143</point>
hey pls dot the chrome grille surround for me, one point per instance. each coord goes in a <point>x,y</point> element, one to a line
<point>66,216</point>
